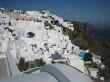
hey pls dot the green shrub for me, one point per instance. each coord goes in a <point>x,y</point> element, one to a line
<point>53,62</point>
<point>14,35</point>
<point>30,34</point>
<point>10,30</point>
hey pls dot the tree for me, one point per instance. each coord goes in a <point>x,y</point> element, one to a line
<point>55,22</point>
<point>88,57</point>
<point>42,63</point>
<point>46,23</point>
<point>9,23</point>
<point>23,66</point>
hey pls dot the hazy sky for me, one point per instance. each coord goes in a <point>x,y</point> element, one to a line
<point>77,9</point>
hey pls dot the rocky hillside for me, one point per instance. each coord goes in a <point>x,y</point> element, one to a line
<point>97,45</point>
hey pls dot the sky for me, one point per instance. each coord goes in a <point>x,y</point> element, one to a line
<point>85,10</point>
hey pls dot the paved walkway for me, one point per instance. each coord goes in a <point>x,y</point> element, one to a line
<point>3,67</point>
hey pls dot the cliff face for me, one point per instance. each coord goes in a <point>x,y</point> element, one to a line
<point>97,45</point>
